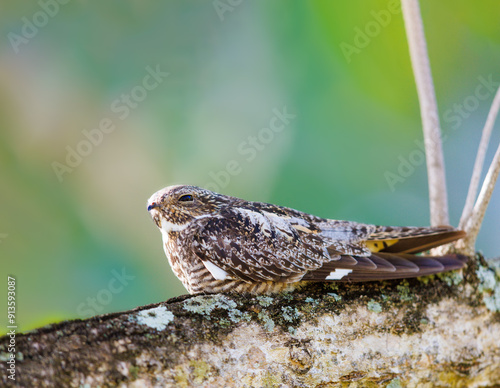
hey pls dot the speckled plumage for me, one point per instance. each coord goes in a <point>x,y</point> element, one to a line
<point>218,243</point>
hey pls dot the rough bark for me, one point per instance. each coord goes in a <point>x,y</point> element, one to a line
<point>421,332</point>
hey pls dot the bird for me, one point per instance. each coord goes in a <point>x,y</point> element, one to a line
<point>218,243</point>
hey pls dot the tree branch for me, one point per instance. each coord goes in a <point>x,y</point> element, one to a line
<point>473,214</point>
<point>428,108</point>
<point>473,225</point>
<point>478,165</point>
<point>323,335</point>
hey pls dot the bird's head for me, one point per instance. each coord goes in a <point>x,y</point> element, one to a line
<point>174,207</point>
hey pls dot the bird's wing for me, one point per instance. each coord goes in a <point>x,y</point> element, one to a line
<point>252,245</point>
<point>389,256</point>
<point>384,266</point>
<point>403,239</point>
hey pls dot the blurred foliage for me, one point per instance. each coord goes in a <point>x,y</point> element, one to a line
<point>357,118</point>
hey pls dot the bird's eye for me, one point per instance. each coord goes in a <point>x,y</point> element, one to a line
<point>186,198</point>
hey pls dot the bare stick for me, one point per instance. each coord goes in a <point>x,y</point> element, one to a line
<point>478,165</point>
<point>438,197</point>
<point>474,223</point>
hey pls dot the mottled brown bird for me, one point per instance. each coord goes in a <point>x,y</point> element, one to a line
<point>218,243</point>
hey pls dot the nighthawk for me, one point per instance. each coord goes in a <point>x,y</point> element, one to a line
<point>218,243</point>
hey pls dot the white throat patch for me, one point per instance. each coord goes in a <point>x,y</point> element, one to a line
<point>167,226</point>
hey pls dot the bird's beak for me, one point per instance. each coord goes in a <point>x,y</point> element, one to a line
<point>156,214</point>
<point>153,205</point>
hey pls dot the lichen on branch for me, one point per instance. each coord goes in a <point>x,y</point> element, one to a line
<point>438,331</point>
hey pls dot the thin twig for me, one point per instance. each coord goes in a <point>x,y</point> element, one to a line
<point>474,223</point>
<point>478,165</point>
<point>438,197</point>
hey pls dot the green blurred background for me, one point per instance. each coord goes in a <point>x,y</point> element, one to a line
<point>87,245</point>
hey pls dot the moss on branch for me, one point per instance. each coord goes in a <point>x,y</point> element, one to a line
<point>435,331</point>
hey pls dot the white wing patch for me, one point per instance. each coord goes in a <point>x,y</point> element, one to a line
<point>338,274</point>
<point>217,273</point>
